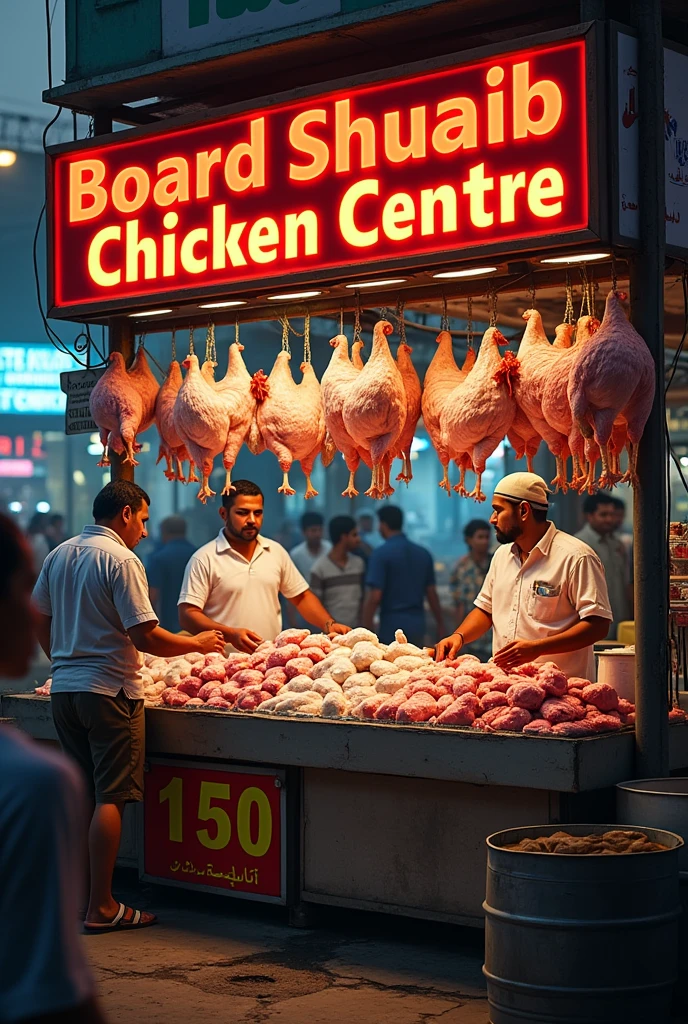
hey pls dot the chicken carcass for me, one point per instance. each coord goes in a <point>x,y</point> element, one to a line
<point>235,390</point>
<point>122,404</point>
<point>172,448</point>
<point>374,409</point>
<point>478,413</point>
<point>291,420</point>
<point>201,419</point>
<point>523,438</point>
<point>555,403</point>
<point>335,382</point>
<point>441,377</point>
<point>615,376</point>
<point>537,358</point>
<point>413,392</point>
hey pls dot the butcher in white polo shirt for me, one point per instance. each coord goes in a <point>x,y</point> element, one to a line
<point>236,580</point>
<point>545,594</point>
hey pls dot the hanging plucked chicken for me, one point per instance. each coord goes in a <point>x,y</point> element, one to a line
<point>122,405</point>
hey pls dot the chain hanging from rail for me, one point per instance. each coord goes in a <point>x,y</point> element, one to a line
<point>307,337</point>
<point>192,350</point>
<point>569,312</point>
<point>401,322</point>
<point>210,346</point>
<point>615,279</point>
<point>531,293</point>
<point>142,338</point>
<point>586,305</point>
<point>357,335</point>
<point>284,321</point>
<point>174,344</point>
<point>341,319</point>
<point>469,322</point>
<point>236,332</point>
<point>492,305</point>
<point>444,319</point>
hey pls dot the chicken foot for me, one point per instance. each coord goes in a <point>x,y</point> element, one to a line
<point>228,488</point>
<point>477,493</point>
<point>608,478</point>
<point>350,491</point>
<point>204,491</point>
<point>286,487</point>
<point>631,474</point>
<point>560,482</point>
<point>105,457</point>
<point>444,482</point>
<point>406,474</point>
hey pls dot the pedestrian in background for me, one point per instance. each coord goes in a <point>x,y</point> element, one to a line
<point>337,577</point>
<point>367,531</point>
<point>38,542</point>
<point>599,533</point>
<point>305,555</point>
<point>467,578</point>
<point>55,529</point>
<point>400,577</point>
<point>44,976</point>
<point>165,570</point>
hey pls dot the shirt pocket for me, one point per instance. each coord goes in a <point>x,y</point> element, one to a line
<point>543,608</point>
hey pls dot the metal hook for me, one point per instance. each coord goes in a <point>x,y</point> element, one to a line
<point>192,350</point>
<point>444,320</point>
<point>307,337</point>
<point>341,319</point>
<point>174,344</point>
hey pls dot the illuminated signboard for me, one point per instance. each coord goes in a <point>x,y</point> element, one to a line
<point>427,167</point>
<point>30,379</point>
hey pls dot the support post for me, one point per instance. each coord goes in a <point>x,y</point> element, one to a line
<point>650,512</point>
<point>121,339</point>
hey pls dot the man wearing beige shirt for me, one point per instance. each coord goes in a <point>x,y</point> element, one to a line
<point>545,594</point>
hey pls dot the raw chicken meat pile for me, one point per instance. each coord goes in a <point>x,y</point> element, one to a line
<point>356,676</point>
<point>588,399</point>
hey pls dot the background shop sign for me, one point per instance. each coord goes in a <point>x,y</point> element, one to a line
<point>487,153</point>
<point>214,827</point>
<point>29,379</point>
<point>675,143</point>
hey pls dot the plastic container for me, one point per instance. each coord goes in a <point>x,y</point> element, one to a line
<point>616,666</point>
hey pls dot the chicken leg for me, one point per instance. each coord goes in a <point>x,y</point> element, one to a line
<point>286,487</point>
<point>444,482</point>
<point>350,491</point>
<point>104,439</point>
<point>560,482</point>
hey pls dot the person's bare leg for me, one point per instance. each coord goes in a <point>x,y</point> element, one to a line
<point>103,843</point>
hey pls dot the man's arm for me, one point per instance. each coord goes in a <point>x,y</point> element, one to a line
<point>43,625</point>
<point>316,614</point>
<point>476,623</point>
<point>371,603</point>
<point>194,620</point>
<point>435,608</point>
<point>584,633</point>
<point>153,639</point>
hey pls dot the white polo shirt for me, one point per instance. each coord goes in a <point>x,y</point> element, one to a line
<point>561,581</point>
<point>239,593</point>
<point>95,589</point>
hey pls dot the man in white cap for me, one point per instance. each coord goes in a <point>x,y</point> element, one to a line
<point>545,595</point>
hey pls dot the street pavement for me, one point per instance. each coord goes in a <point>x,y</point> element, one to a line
<point>212,958</point>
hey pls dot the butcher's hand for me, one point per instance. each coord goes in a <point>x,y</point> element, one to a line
<point>210,642</point>
<point>518,652</point>
<point>338,629</point>
<point>449,647</point>
<point>244,639</point>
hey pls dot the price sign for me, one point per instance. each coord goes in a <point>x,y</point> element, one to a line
<point>216,828</point>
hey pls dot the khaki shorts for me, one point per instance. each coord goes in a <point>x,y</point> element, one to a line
<point>106,737</point>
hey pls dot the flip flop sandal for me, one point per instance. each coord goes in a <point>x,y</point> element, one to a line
<point>121,922</point>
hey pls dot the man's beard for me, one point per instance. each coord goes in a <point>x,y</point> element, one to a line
<point>510,536</point>
<point>250,534</point>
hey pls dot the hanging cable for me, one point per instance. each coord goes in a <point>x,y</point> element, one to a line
<point>680,346</point>
<point>307,337</point>
<point>469,322</point>
<point>174,344</point>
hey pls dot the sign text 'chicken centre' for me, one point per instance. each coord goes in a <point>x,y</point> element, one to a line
<point>435,164</point>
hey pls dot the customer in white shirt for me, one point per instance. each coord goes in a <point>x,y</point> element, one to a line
<point>233,583</point>
<point>337,577</point>
<point>43,972</point>
<point>545,594</point>
<point>95,617</point>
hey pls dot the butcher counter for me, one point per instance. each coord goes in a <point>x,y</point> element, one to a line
<point>386,817</point>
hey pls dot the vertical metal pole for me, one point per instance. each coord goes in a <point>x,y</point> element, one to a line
<point>650,497</point>
<point>121,339</point>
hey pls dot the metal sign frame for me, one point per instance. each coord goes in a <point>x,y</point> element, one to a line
<point>597,230</point>
<point>223,766</point>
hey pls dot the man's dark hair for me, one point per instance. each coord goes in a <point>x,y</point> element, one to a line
<point>241,489</point>
<point>593,501</point>
<point>311,519</point>
<point>340,526</point>
<point>13,553</point>
<point>115,496</point>
<point>391,516</point>
<point>470,529</point>
<point>618,503</point>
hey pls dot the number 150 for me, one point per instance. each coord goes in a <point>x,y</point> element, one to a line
<point>173,794</point>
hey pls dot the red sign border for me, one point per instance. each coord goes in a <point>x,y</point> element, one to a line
<point>221,766</point>
<point>596,90</point>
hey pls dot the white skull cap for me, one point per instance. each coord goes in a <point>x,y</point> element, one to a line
<point>524,487</point>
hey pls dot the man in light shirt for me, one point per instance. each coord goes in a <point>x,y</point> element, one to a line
<point>545,594</point>
<point>239,576</point>
<point>337,577</point>
<point>95,616</point>
<point>314,546</point>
